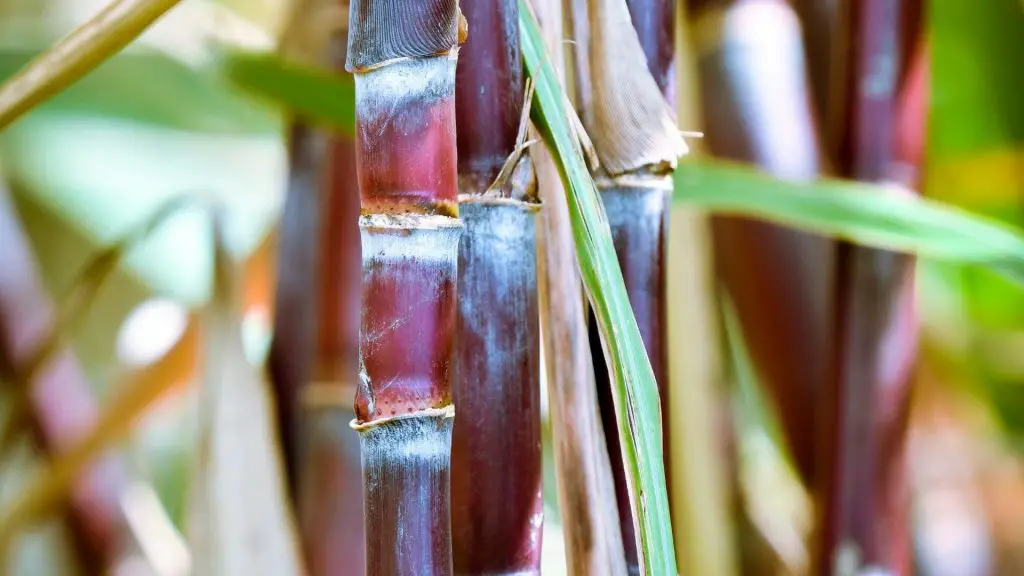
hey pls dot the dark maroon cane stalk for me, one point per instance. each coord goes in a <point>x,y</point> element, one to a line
<point>403,55</point>
<point>497,506</point>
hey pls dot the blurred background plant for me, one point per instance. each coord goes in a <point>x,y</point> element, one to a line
<point>163,118</point>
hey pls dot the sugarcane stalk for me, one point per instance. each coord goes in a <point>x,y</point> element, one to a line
<point>868,394</point>
<point>637,142</point>
<point>306,37</point>
<point>60,404</point>
<point>757,107</point>
<point>497,505</point>
<point>403,56</point>
<point>586,489</point>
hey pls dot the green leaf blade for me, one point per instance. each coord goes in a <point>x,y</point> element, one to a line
<point>860,213</point>
<point>637,408</point>
<point>319,95</point>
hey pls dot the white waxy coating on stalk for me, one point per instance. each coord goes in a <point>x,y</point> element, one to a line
<point>410,436</point>
<point>426,237</point>
<point>399,84</point>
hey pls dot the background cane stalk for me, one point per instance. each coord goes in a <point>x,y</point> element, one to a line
<point>497,504</point>
<point>868,214</point>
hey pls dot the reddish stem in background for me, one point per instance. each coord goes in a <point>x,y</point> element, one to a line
<point>862,427</point>
<point>758,108</point>
<point>330,504</point>
<point>292,349</point>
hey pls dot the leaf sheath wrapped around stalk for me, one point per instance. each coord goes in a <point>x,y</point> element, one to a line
<point>586,499</point>
<point>636,138</point>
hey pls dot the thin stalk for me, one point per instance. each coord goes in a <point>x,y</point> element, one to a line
<point>77,54</point>
<point>292,348</point>
<point>586,487</point>
<point>698,454</point>
<point>404,56</point>
<point>757,107</point>
<point>497,504</point>
<point>867,398</point>
<point>636,139</point>
<point>314,354</point>
<point>330,508</point>
<point>60,404</point>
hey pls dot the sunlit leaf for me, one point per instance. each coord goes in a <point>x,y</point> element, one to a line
<point>634,389</point>
<point>860,213</point>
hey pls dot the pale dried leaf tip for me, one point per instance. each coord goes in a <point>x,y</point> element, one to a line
<point>505,176</point>
<point>239,518</point>
<point>632,125</point>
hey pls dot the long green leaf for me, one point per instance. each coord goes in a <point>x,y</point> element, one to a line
<point>77,54</point>
<point>320,95</point>
<point>860,213</point>
<point>637,410</point>
<point>154,89</point>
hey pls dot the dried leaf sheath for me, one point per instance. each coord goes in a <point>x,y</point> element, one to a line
<point>239,520</point>
<point>586,499</point>
<point>636,139</point>
<point>655,24</point>
<point>403,55</point>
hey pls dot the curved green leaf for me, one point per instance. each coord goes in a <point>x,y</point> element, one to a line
<point>319,95</point>
<point>637,409</point>
<point>860,213</point>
